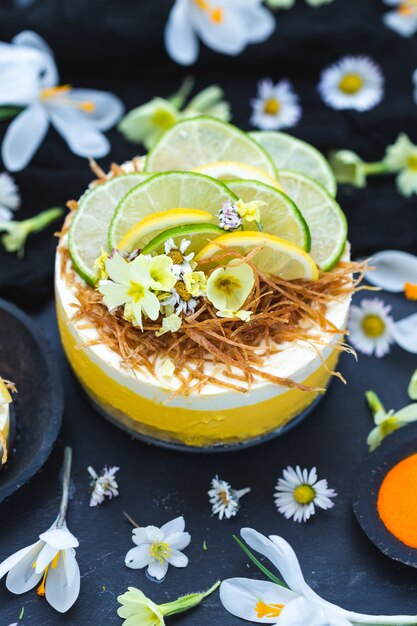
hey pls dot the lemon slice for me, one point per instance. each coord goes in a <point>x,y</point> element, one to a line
<point>325,218</point>
<point>291,153</point>
<point>5,397</point>
<point>200,140</point>
<point>277,256</point>
<point>165,191</point>
<point>90,224</point>
<point>229,170</point>
<point>197,234</point>
<point>145,230</point>
<point>280,216</point>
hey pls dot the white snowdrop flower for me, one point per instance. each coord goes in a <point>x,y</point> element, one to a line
<point>225,500</point>
<point>226,26</point>
<point>353,82</point>
<point>49,562</point>
<point>29,79</point>
<point>403,18</point>
<point>9,197</point>
<point>371,327</point>
<point>276,106</point>
<point>104,485</point>
<point>157,548</point>
<point>298,493</point>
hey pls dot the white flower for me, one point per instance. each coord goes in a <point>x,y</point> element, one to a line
<point>371,327</point>
<point>276,106</point>
<point>49,561</point>
<point>157,548</point>
<point>29,78</point>
<point>181,300</point>
<point>403,19</point>
<point>387,422</point>
<point>354,82</point>
<point>229,218</point>
<point>224,499</point>
<point>299,492</point>
<point>226,26</point>
<point>393,270</point>
<point>181,261</point>
<point>130,285</point>
<point>298,605</point>
<point>401,157</point>
<point>9,196</point>
<point>104,485</point>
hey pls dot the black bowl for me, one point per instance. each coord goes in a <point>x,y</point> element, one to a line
<point>27,360</point>
<point>372,471</point>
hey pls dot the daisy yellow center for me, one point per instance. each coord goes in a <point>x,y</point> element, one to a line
<point>216,14</point>
<point>268,610</point>
<point>160,551</point>
<point>304,494</point>
<point>351,83</point>
<point>224,497</point>
<point>272,106</point>
<point>389,425</point>
<point>41,589</point>
<point>412,163</point>
<point>136,291</point>
<point>163,119</point>
<point>410,291</point>
<point>182,290</point>
<point>176,256</point>
<point>63,90</point>
<point>373,326</point>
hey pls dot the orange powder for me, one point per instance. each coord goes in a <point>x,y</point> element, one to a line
<point>397,501</point>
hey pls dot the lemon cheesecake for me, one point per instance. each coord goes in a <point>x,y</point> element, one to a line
<point>190,307</point>
<point>5,402</point>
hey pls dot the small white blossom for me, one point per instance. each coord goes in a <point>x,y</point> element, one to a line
<point>181,261</point>
<point>229,218</point>
<point>157,548</point>
<point>276,106</point>
<point>371,327</point>
<point>298,493</point>
<point>104,485</point>
<point>225,500</point>
<point>9,197</point>
<point>353,82</point>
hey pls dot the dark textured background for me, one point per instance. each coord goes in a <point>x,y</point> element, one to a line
<point>117,45</point>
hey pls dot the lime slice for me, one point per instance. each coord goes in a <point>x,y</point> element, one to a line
<point>277,256</point>
<point>168,190</point>
<point>200,140</point>
<point>230,170</point>
<point>145,230</point>
<point>280,217</point>
<point>5,397</point>
<point>198,234</point>
<point>325,218</point>
<point>88,231</point>
<point>293,154</point>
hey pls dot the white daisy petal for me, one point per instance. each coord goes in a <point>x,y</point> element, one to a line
<point>23,137</point>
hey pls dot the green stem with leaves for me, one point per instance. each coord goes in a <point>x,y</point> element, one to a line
<point>17,232</point>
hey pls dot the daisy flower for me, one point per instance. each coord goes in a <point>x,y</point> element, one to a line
<point>371,327</point>
<point>9,196</point>
<point>104,485</point>
<point>276,106</point>
<point>353,82</point>
<point>157,548</point>
<point>403,18</point>
<point>181,299</point>
<point>181,261</point>
<point>223,499</point>
<point>299,492</point>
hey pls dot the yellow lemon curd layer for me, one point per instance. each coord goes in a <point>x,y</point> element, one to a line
<point>141,402</point>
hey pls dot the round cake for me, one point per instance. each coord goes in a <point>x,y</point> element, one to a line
<point>5,402</point>
<point>199,312</point>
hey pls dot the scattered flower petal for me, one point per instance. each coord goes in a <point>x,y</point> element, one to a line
<point>225,500</point>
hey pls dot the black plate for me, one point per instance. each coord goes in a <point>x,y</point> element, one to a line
<point>27,360</point>
<point>372,471</point>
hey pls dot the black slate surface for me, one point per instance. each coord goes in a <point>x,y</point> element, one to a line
<point>157,485</point>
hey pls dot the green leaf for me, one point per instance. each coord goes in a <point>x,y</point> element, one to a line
<point>263,569</point>
<point>8,112</point>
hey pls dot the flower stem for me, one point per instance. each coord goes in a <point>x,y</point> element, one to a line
<point>242,492</point>
<point>66,477</point>
<point>187,602</point>
<point>374,402</point>
<point>179,98</point>
<point>378,167</point>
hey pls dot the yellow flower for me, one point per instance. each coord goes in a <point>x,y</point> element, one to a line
<point>228,288</point>
<point>100,265</point>
<point>160,270</point>
<point>250,211</point>
<point>170,324</point>
<point>195,283</point>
